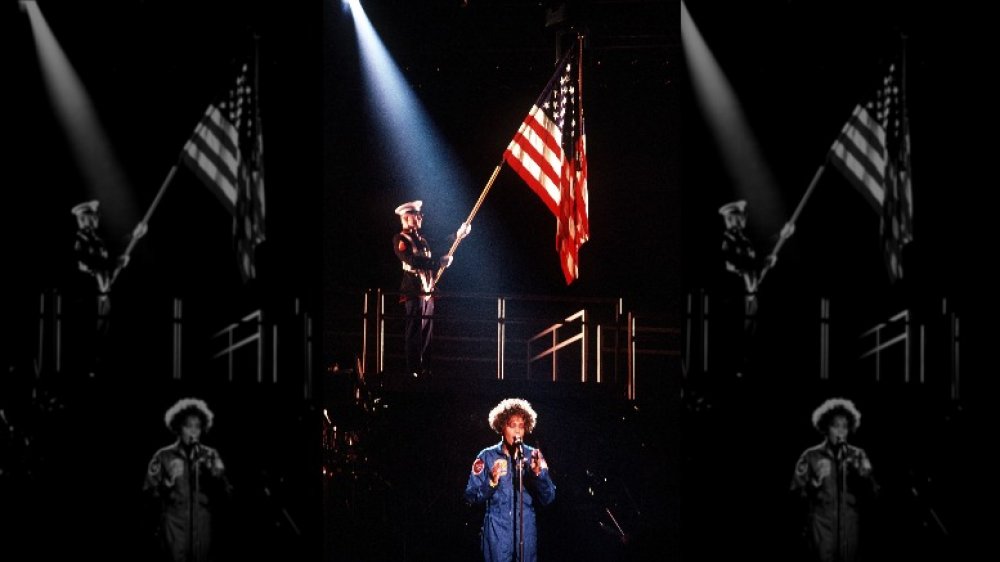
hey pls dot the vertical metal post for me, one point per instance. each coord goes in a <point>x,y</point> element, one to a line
<point>555,354</point>
<point>597,376</point>
<point>704,332</point>
<point>619,311</point>
<point>58,332</point>
<point>260,347</point>
<point>274,353</point>
<point>364,330</point>
<point>908,331</point>
<point>584,346</point>
<point>178,320</point>
<point>824,338</point>
<point>921,357</point>
<point>501,336</point>
<point>380,325</point>
<point>630,385</point>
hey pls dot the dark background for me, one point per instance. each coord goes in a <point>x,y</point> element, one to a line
<point>656,182</point>
<point>76,445</point>
<point>798,69</point>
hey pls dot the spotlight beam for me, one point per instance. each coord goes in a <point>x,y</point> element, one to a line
<point>418,152</point>
<point>102,174</point>
<point>737,145</point>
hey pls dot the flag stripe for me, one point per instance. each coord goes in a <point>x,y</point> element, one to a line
<point>226,153</point>
<point>549,153</point>
<point>859,154</point>
<point>535,153</point>
<point>859,174</point>
<point>872,151</point>
<point>212,153</point>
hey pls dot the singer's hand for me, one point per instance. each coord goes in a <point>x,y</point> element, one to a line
<point>822,469</point>
<point>499,469</point>
<point>175,469</point>
<point>538,462</point>
<point>215,464</point>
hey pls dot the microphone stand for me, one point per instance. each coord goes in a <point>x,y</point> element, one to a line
<point>519,461</point>
<point>841,496</point>
<point>192,494</point>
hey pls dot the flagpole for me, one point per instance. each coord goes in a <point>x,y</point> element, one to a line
<point>906,121</point>
<point>145,220</point>
<point>472,215</point>
<point>791,222</point>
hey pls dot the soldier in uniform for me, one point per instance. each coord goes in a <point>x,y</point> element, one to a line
<point>94,260</point>
<point>92,257</point>
<point>417,286</point>
<point>741,260</point>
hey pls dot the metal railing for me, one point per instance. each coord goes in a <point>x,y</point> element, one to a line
<point>552,332</point>
<point>232,344</point>
<point>284,343</point>
<point>508,337</point>
<point>884,336</point>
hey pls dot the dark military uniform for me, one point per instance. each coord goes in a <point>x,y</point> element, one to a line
<point>92,258</point>
<point>741,259</point>
<point>416,293</point>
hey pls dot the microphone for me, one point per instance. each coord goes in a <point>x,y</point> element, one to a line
<point>840,447</point>
<point>518,442</point>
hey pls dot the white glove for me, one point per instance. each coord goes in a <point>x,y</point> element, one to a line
<point>463,230</point>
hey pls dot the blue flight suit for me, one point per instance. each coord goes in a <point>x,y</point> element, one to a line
<point>500,537</point>
<point>187,500</point>
<point>834,503</point>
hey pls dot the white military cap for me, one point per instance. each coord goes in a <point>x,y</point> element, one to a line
<point>734,207</point>
<point>411,207</point>
<point>85,207</point>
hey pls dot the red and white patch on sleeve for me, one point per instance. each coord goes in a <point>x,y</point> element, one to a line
<point>478,466</point>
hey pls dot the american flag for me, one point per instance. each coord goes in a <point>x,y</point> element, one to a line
<point>226,152</point>
<point>873,152</point>
<point>549,152</point>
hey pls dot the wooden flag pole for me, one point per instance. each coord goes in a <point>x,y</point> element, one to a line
<point>472,215</point>
<point>145,220</point>
<point>791,222</point>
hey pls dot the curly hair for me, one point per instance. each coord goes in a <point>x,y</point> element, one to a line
<point>823,416</point>
<point>512,407</point>
<point>185,407</point>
